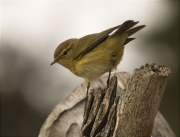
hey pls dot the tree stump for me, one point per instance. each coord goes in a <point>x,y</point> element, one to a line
<point>127,108</point>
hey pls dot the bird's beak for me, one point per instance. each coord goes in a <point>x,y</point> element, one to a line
<point>56,60</point>
<point>53,62</point>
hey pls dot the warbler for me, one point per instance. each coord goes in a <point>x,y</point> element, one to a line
<point>93,55</point>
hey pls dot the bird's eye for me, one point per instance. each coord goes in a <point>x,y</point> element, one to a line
<point>65,52</point>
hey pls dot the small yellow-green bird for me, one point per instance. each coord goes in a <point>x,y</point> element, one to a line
<point>93,55</point>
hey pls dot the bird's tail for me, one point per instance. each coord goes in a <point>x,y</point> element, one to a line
<point>127,27</point>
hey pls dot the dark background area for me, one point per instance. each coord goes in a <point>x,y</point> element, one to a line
<point>30,32</point>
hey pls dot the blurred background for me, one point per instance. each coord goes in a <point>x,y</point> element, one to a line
<point>31,30</point>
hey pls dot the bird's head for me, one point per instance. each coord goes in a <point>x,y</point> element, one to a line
<point>64,53</point>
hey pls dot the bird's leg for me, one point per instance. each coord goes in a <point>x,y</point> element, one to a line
<point>108,80</point>
<point>86,100</point>
<point>88,85</point>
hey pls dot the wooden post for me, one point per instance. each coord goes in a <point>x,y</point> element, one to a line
<point>138,106</point>
<point>134,113</point>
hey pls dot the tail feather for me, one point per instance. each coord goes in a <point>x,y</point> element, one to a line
<point>134,30</point>
<point>128,40</point>
<point>125,27</point>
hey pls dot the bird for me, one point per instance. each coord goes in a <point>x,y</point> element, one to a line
<point>93,55</point>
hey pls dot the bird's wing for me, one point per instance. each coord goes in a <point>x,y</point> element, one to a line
<point>87,43</point>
